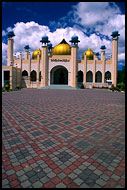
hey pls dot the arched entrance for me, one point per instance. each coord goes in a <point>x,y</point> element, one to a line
<point>59,75</point>
<point>89,76</point>
<point>98,76</point>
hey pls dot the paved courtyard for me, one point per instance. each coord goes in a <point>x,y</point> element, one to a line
<point>63,138</point>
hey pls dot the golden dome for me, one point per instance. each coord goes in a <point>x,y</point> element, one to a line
<point>63,48</point>
<point>89,54</point>
<point>34,55</point>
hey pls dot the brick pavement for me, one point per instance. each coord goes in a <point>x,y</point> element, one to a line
<point>63,138</point>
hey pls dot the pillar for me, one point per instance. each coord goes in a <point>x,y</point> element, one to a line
<point>74,65</point>
<point>38,70</point>
<point>94,70</point>
<point>26,55</point>
<point>10,51</point>
<point>29,69</point>
<point>11,85</point>
<point>85,70</point>
<point>20,65</point>
<point>103,67</point>
<point>44,66</point>
<point>114,61</point>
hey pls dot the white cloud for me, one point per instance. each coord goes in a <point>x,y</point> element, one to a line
<point>121,56</point>
<point>93,13</point>
<point>4,54</point>
<point>4,33</point>
<point>31,33</point>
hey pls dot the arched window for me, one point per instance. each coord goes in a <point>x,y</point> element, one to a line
<point>89,76</point>
<point>33,75</point>
<point>80,76</point>
<point>108,75</point>
<point>24,73</point>
<point>98,76</point>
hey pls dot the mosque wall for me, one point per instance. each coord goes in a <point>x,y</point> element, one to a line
<point>89,67</point>
<point>34,66</point>
<point>108,67</point>
<point>80,67</point>
<point>25,67</point>
<point>98,67</point>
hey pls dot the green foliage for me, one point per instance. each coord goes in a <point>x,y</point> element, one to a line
<point>120,87</point>
<point>3,89</point>
<point>114,88</point>
<point>121,76</point>
<point>7,85</point>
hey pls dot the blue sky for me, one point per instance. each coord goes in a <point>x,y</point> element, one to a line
<point>93,22</point>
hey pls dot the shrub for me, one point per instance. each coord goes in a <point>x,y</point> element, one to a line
<point>82,86</point>
<point>114,88</point>
<point>7,85</point>
<point>3,89</point>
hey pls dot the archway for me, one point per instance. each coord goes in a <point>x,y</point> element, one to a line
<point>33,75</point>
<point>98,76</point>
<point>59,75</point>
<point>80,76</point>
<point>25,73</point>
<point>89,76</point>
<point>108,75</point>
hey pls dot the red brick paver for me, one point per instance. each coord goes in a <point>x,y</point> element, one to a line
<point>63,138</point>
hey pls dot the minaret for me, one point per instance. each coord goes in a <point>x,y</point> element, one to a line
<point>49,49</point>
<point>26,51</point>
<point>38,69</point>
<point>114,57</point>
<point>29,70</point>
<point>10,48</point>
<point>74,60</point>
<point>103,63</point>
<point>44,61</point>
<point>85,69</point>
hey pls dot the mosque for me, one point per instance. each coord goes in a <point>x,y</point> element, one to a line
<point>59,65</point>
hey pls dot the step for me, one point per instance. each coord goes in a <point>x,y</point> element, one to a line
<point>58,87</point>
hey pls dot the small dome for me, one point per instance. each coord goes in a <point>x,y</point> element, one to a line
<point>74,37</point>
<point>10,34</point>
<point>63,48</point>
<point>103,47</point>
<point>34,55</point>
<point>89,54</point>
<point>26,47</point>
<point>49,44</point>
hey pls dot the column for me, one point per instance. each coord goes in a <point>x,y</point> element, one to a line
<point>20,64</point>
<point>44,66</point>
<point>11,85</point>
<point>114,61</point>
<point>29,69</point>
<point>103,67</point>
<point>10,51</point>
<point>74,65</point>
<point>38,70</point>
<point>26,54</point>
<point>94,70</point>
<point>85,70</point>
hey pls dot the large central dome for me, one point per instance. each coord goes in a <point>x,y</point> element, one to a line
<point>63,48</point>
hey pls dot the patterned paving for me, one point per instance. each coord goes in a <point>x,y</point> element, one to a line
<point>63,139</point>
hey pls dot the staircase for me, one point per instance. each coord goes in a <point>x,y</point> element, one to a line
<point>57,86</point>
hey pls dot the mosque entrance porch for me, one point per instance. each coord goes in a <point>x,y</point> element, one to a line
<point>59,75</point>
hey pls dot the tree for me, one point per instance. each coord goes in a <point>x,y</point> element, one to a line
<point>121,75</point>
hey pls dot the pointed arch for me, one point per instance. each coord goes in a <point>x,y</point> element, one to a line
<point>89,76</point>
<point>33,75</point>
<point>98,76</point>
